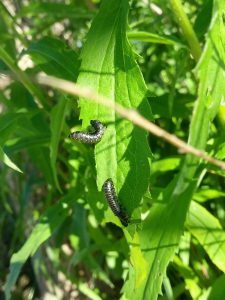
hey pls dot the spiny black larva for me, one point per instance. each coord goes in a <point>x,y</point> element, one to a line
<point>90,137</point>
<point>111,197</point>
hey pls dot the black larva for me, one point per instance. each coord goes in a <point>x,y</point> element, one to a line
<point>111,197</point>
<point>90,137</point>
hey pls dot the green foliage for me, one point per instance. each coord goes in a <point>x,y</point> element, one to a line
<point>56,227</point>
<point>108,66</point>
<point>45,228</point>
<point>208,231</point>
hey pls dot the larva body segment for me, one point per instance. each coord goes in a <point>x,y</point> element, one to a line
<point>90,137</point>
<point>111,197</point>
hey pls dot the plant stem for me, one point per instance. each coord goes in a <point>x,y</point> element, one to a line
<point>187,29</point>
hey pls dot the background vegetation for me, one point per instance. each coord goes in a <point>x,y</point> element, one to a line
<point>58,237</point>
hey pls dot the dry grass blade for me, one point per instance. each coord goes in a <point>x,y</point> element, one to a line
<point>129,114</point>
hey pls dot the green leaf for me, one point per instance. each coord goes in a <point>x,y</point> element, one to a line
<point>41,159</point>
<point>33,89</point>
<point>108,67</point>
<point>161,107</point>
<point>57,120</point>
<point>5,25</point>
<point>160,237</point>
<point>164,225</point>
<point>202,21</point>
<point>165,165</point>
<point>151,38</point>
<point>218,289</point>
<point>220,154</point>
<point>54,58</point>
<point>46,226</point>
<point>207,194</point>
<point>16,145</point>
<point>8,125</point>
<point>191,279</point>
<point>4,157</point>
<point>208,231</point>
<point>89,292</point>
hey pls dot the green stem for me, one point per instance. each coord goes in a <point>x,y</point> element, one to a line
<point>39,97</point>
<point>168,288</point>
<point>187,29</point>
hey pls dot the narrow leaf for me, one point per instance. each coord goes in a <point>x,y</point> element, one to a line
<point>57,121</point>
<point>4,157</point>
<point>208,194</point>
<point>151,38</point>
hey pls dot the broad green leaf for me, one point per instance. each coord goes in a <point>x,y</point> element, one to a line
<point>151,38</point>
<point>218,289</point>
<point>138,261</point>
<point>46,226</point>
<point>108,67</point>
<point>4,157</point>
<point>164,225</point>
<point>208,231</point>
<point>95,199</point>
<point>54,58</point>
